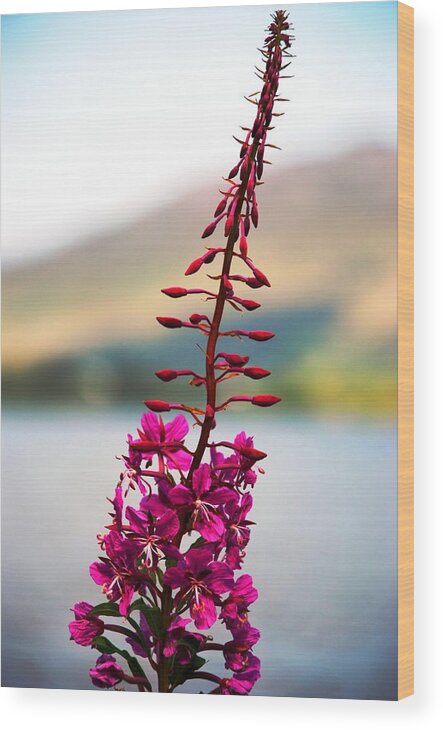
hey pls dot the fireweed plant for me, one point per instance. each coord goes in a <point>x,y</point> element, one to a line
<point>169,564</point>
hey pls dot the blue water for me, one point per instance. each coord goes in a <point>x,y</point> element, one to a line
<point>323,552</point>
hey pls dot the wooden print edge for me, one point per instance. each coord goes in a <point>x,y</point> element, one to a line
<point>405,303</point>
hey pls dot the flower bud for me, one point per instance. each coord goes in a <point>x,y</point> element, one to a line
<point>251,453</point>
<point>229,223</point>
<point>158,406</point>
<point>254,213</point>
<point>234,172</point>
<point>260,335</point>
<point>259,275</point>
<point>106,673</point>
<point>251,182</point>
<point>221,206</point>
<point>166,375</point>
<point>232,358</point>
<point>206,258</point>
<point>227,285</point>
<point>256,373</point>
<point>170,322</point>
<point>248,304</point>
<point>257,400</point>
<point>194,266</point>
<point>175,292</point>
<point>265,400</point>
<point>253,283</point>
<point>209,230</point>
<point>197,318</point>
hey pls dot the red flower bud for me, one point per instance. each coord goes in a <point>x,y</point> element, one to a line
<point>243,246</point>
<point>260,335</point>
<point>248,304</point>
<point>259,169</point>
<point>221,206</point>
<point>265,400</point>
<point>197,318</point>
<point>170,322</point>
<point>254,213</point>
<point>166,375</point>
<point>209,230</point>
<point>227,284</point>
<point>259,275</point>
<point>175,292</point>
<point>252,454</point>
<point>158,406</point>
<point>251,182</point>
<point>253,283</point>
<point>234,171</point>
<point>229,223</point>
<point>256,373</point>
<point>194,266</point>
<point>206,258</point>
<point>233,359</point>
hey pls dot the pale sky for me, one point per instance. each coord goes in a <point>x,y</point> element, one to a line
<point>107,115</point>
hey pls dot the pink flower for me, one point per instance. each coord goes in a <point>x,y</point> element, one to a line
<point>202,501</point>
<point>164,440</point>
<point>202,580</point>
<point>106,673</point>
<point>85,628</point>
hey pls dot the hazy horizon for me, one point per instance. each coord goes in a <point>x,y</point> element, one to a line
<point>95,102</point>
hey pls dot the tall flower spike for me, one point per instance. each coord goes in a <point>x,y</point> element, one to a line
<point>167,595</point>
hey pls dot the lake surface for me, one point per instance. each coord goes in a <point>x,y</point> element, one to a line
<point>323,553</point>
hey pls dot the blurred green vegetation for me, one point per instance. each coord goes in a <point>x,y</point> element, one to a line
<point>79,327</point>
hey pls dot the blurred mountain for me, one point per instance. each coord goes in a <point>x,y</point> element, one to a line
<point>81,323</point>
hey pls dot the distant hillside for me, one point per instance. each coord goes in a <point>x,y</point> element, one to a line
<point>327,239</point>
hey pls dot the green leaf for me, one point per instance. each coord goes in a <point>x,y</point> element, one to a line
<point>160,574</point>
<point>133,664</point>
<point>198,543</point>
<point>137,605</point>
<point>103,645</point>
<point>154,618</point>
<point>105,609</point>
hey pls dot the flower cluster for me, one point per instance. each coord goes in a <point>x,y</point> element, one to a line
<point>180,517</point>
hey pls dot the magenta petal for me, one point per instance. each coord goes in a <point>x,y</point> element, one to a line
<point>84,631</point>
<point>82,609</point>
<point>153,505</point>
<point>211,527</point>
<point>243,589</point>
<point>201,480</point>
<point>175,577</point>
<point>198,559</point>
<point>179,460</point>
<point>177,429</point>
<point>101,573</point>
<point>204,613</point>
<point>221,578</point>
<point>126,600</point>
<point>137,520</point>
<point>181,496</point>
<point>106,673</point>
<point>151,426</point>
<point>222,495</point>
<point>167,525</point>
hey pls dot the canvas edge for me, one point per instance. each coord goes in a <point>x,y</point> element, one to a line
<point>405,300</point>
